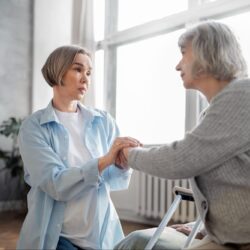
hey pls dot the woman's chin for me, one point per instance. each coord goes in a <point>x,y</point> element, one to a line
<point>80,97</point>
<point>187,85</point>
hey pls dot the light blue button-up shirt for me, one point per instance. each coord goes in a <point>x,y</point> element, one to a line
<point>43,143</point>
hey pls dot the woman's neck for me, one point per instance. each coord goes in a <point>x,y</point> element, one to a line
<point>64,105</point>
<point>211,87</point>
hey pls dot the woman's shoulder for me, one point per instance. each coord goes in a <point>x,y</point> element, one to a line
<point>234,98</point>
<point>239,84</point>
<point>105,116</point>
<point>236,89</point>
<point>33,120</point>
<point>98,112</point>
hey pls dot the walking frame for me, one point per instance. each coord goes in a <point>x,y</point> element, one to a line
<point>181,194</point>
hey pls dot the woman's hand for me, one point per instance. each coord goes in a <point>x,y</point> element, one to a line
<point>111,157</point>
<point>186,229</point>
<point>122,158</point>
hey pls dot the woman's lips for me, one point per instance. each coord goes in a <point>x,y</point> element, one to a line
<point>82,90</point>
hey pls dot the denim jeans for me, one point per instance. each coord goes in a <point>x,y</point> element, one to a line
<point>64,244</point>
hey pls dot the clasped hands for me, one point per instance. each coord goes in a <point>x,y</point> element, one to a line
<point>123,146</point>
<point>118,153</point>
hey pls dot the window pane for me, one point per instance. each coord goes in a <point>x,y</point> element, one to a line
<point>135,12</point>
<point>235,22</point>
<point>150,98</point>
<point>99,19</point>
<point>205,1</point>
<point>98,79</point>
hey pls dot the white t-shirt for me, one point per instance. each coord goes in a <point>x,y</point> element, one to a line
<point>78,213</point>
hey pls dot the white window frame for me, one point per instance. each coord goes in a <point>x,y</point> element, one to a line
<point>197,10</point>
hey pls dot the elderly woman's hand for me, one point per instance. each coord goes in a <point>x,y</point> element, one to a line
<point>111,157</point>
<point>122,157</point>
<point>186,229</point>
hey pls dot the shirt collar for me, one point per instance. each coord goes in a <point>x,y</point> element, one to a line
<point>49,114</point>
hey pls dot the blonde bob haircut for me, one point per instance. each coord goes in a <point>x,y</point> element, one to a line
<point>216,51</point>
<point>59,61</point>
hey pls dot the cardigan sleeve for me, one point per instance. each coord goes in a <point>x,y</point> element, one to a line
<point>223,133</point>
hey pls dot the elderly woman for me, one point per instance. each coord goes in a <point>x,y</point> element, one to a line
<point>69,153</point>
<point>215,155</point>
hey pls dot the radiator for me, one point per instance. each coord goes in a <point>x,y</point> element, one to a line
<point>156,195</point>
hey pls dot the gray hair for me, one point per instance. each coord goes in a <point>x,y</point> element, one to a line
<point>216,50</point>
<point>59,61</point>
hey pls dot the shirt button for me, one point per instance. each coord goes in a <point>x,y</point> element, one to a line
<point>204,205</point>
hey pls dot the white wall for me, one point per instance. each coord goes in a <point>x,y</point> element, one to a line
<point>125,200</point>
<point>15,61</point>
<point>52,28</point>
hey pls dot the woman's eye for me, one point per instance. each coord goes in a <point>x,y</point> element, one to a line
<point>78,69</point>
<point>88,73</point>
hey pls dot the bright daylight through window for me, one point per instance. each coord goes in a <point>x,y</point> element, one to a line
<point>143,88</point>
<point>150,98</point>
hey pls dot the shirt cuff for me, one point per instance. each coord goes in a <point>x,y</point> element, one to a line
<point>90,172</point>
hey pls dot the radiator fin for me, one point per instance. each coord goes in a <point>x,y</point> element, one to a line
<point>156,195</point>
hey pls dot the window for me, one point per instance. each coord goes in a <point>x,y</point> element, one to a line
<point>99,72</point>
<point>205,1</point>
<point>150,98</point>
<point>235,22</point>
<point>99,19</point>
<point>138,83</point>
<point>141,11</point>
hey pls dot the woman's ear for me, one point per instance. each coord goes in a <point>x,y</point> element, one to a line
<point>199,71</point>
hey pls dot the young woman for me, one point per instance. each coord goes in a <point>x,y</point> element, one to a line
<point>69,154</point>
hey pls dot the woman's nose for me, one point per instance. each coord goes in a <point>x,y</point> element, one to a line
<point>85,78</point>
<point>177,67</point>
